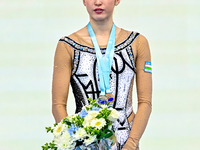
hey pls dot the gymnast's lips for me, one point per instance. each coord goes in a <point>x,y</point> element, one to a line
<point>98,10</point>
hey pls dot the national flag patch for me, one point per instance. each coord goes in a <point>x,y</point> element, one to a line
<point>148,67</point>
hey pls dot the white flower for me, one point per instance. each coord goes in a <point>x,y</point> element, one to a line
<point>110,127</point>
<point>66,136</point>
<point>80,134</point>
<point>89,106</point>
<point>66,146</point>
<point>104,106</point>
<point>91,116</point>
<point>72,146</point>
<point>56,140</point>
<point>87,120</point>
<point>93,113</point>
<point>59,129</point>
<point>65,141</point>
<point>98,123</point>
<point>90,140</point>
<point>74,115</point>
<point>114,115</point>
<point>69,118</point>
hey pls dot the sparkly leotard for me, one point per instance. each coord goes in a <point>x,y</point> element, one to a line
<point>76,63</point>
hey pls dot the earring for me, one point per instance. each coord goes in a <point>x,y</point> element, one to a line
<point>115,4</point>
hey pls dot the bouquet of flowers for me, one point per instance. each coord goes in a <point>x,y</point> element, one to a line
<point>89,129</point>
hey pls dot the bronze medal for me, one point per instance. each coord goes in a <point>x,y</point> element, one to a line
<point>110,98</point>
<point>102,100</point>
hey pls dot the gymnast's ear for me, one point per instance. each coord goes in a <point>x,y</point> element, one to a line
<point>117,2</point>
<point>84,2</point>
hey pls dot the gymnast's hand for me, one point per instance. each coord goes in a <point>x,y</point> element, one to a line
<point>130,145</point>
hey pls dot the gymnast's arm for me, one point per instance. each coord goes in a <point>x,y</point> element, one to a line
<point>144,93</point>
<point>61,80</point>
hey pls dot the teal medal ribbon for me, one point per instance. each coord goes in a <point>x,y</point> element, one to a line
<point>104,64</point>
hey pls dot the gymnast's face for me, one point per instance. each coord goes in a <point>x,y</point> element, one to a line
<point>100,9</point>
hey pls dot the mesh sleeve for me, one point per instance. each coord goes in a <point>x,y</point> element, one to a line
<point>61,80</point>
<point>144,93</point>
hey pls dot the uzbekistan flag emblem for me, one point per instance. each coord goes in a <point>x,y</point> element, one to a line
<point>148,67</point>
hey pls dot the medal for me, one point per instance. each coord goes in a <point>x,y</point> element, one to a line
<point>104,99</point>
<point>104,64</point>
<point>110,97</point>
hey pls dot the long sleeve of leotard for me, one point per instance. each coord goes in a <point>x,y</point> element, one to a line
<point>61,80</point>
<point>144,93</point>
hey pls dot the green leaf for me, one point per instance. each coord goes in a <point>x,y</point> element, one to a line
<point>45,147</point>
<point>90,99</point>
<point>48,146</point>
<point>106,135</point>
<point>51,130</point>
<point>55,124</point>
<point>48,129</point>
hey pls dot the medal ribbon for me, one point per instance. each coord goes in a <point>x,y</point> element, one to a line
<point>104,64</point>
